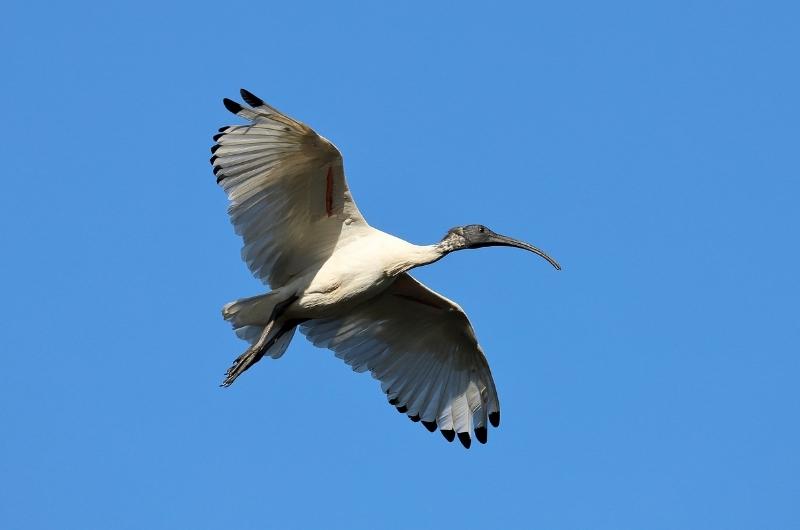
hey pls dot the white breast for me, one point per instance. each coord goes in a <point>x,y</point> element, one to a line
<point>358,270</point>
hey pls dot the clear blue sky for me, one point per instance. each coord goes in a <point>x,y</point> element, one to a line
<point>653,150</point>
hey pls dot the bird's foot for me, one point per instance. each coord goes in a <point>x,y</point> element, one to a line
<point>251,356</point>
<point>241,364</point>
<point>254,353</point>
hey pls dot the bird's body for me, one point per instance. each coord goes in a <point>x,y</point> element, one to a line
<point>359,269</point>
<point>343,282</point>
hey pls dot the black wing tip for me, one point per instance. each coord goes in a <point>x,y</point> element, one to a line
<point>449,434</point>
<point>415,418</point>
<point>494,418</point>
<point>465,440</point>
<point>430,425</point>
<point>223,129</point>
<point>402,409</point>
<point>232,106</point>
<point>212,160</point>
<point>482,434</point>
<point>250,98</point>
<point>214,147</point>
<point>394,401</point>
<point>217,136</point>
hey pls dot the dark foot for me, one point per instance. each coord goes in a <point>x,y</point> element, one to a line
<point>251,356</point>
<point>241,364</point>
<point>254,353</point>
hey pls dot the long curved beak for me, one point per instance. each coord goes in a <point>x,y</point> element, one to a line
<point>505,241</point>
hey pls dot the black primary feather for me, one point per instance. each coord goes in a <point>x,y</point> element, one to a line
<point>250,98</point>
<point>232,106</point>
<point>430,425</point>
<point>481,433</point>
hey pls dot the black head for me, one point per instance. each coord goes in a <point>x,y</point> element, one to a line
<point>478,236</point>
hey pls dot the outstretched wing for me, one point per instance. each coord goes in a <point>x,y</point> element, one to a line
<point>288,196</point>
<point>422,348</point>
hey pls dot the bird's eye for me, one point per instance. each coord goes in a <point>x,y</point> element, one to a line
<point>482,230</point>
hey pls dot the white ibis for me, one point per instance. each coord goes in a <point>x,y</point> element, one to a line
<point>343,282</point>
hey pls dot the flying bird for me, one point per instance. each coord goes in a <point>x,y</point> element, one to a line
<point>344,283</point>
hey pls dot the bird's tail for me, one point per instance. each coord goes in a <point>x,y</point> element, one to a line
<point>249,317</point>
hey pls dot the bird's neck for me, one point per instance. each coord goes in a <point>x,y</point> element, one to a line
<point>418,255</point>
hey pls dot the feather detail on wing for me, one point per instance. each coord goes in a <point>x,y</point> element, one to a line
<point>289,199</point>
<point>423,349</point>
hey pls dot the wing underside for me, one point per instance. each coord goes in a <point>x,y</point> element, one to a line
<point>423,350</point>
<point>289,199</point>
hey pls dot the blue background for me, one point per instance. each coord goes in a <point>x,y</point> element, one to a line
<point>652,149</point>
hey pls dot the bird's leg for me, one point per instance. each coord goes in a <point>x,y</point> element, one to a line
<point>251,356</point>
<point>254,353</point>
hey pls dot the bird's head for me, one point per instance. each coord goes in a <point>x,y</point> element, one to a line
<point>477,236</point>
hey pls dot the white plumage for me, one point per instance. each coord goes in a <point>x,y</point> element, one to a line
<point>344,282</point>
